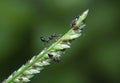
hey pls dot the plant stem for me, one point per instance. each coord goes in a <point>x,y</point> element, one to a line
<point>48,50</point>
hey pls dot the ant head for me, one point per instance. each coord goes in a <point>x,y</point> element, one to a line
<point>50,55</point>
<point>42,39</point>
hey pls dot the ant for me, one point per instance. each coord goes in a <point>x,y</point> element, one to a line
<point>74,21</point>
<point>73,24</point>
<point>56,59</point>
<point>53,36</point>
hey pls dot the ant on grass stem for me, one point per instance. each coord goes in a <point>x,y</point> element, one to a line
<point>50,38</point>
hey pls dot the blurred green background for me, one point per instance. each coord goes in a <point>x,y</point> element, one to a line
<point>93,58</point>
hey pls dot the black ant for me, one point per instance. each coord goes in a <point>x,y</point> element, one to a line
<point>56,59</point>
<point>53,36</point>
<point>74,21</point>
<point>73,24</point>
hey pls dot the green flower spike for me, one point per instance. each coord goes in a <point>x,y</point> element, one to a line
<point>53,53</point>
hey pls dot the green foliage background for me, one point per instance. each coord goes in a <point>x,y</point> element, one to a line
<point>93,58</point>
